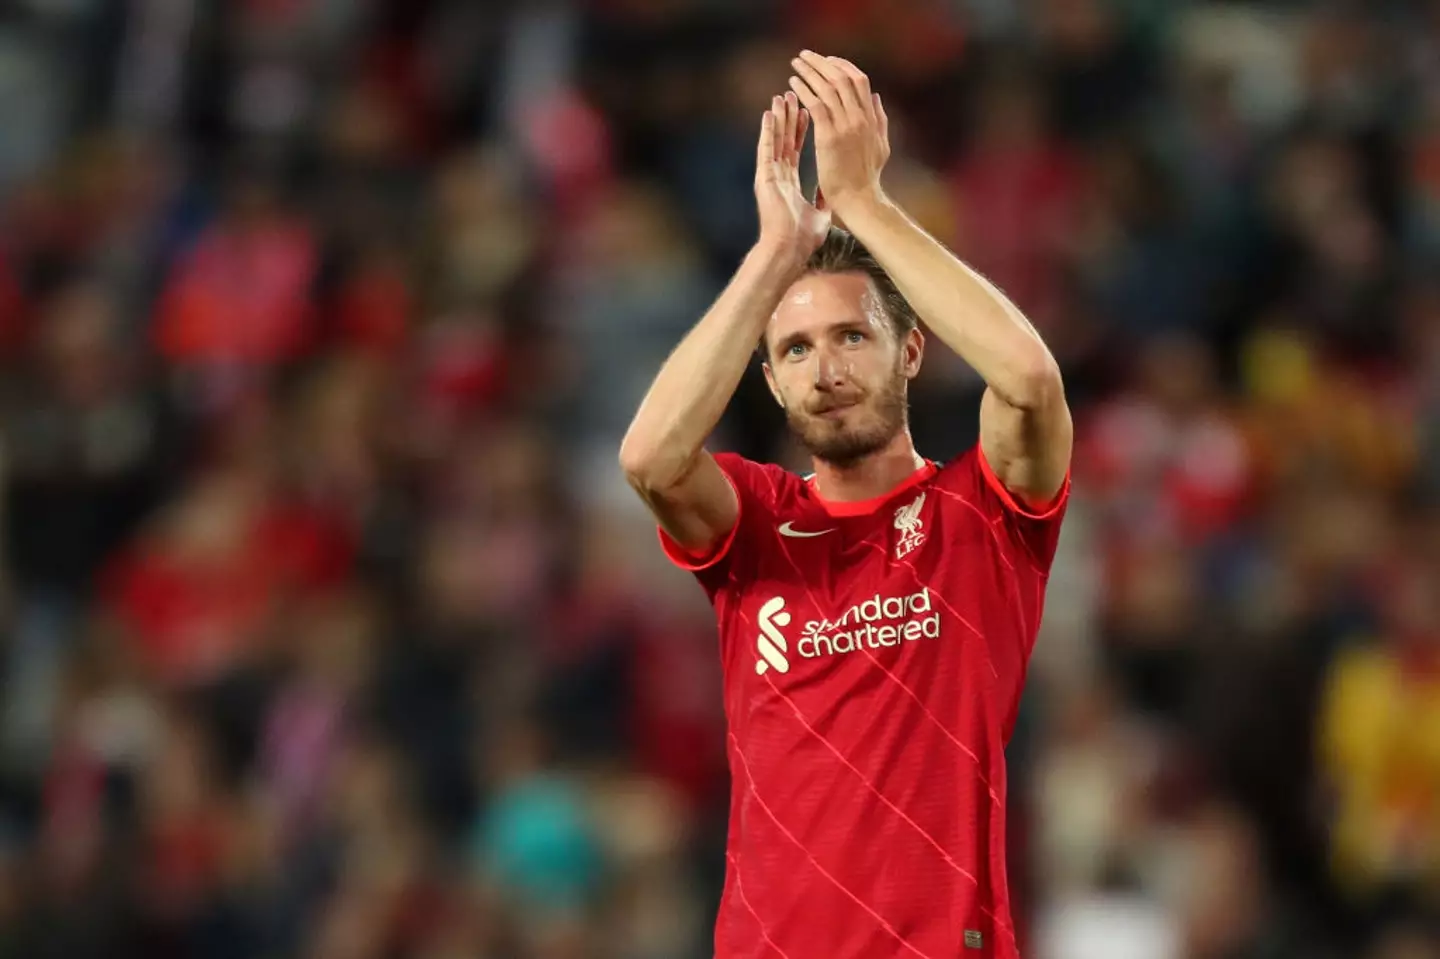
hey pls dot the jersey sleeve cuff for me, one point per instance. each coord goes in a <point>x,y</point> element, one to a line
<point>691,562</point>
<point>1029,511</point>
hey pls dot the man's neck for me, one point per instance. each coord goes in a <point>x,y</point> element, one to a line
<point>875,475</point>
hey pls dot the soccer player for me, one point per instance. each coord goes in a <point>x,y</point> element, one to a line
<point>875,617</point>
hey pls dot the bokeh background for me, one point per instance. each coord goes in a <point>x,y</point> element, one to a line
<point>329,630</point>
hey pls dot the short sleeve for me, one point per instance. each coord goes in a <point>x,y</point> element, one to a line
<point>1035,532</point>
<point>756,490</point>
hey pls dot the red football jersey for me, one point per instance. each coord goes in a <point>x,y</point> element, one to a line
<point>873,657</point>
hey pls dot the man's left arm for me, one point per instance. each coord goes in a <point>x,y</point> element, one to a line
<point>1025,429</point>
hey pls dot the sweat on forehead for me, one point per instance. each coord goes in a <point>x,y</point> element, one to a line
<point>819,301</point>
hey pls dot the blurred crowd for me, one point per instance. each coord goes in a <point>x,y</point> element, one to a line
<point>329,630</point>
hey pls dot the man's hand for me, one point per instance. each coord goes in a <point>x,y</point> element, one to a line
<point>790,225</point>
<point>852,133</point>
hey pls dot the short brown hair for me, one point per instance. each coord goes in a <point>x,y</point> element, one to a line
<point>842,253</point>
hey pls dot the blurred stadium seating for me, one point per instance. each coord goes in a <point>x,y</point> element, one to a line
<point>330,630</point>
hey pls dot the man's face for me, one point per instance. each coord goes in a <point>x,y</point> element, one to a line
<point>836,367</point>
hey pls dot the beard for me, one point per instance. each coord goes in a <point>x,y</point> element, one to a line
<point>866,428</point>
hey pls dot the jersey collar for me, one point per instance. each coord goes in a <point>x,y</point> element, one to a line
<point>865,507</point>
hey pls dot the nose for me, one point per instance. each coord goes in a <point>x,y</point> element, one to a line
<point>830,372</point>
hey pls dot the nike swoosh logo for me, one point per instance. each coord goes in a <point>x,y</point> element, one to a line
<point>787,530</point>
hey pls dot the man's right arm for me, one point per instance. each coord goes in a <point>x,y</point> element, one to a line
<point>663,453</point>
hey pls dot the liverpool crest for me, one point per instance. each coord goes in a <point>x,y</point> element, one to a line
<point>912,532</point>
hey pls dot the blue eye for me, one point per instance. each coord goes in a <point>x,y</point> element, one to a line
<point>854,337</point>
<point>796,350</point>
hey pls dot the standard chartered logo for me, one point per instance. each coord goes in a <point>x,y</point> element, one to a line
<point>875,623</point>
<point>771,642</point>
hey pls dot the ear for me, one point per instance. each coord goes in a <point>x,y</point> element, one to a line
<point>912,353</point>
<point>770,382</point>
